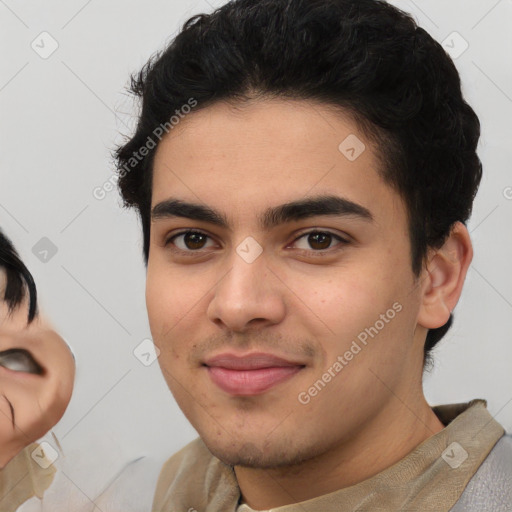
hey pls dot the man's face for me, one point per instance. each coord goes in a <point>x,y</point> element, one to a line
<point>249,341</point>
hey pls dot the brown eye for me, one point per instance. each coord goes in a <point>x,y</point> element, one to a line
<point>20,360</point>
<point>194,240</point>
<point>319,241</point>
<point>188,241</point>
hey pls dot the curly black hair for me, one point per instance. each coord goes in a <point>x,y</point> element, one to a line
<point>18,279</point>
<point>365,57</point>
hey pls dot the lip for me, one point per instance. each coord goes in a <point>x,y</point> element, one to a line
<point>250,374</point>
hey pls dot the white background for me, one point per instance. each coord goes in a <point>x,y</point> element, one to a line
<point>60,119</point>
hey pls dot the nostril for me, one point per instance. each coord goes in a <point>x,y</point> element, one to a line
<point>20,360</point>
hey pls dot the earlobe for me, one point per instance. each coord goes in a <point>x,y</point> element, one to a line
<point>443,278</point>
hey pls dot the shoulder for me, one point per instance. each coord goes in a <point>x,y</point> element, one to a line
<point>490,488</point>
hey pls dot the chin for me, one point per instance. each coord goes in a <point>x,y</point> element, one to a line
<point>258,455</point>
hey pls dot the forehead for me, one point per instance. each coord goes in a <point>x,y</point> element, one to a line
<point>246,157</point>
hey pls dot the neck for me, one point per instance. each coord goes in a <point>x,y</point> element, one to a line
<point>387,439</point>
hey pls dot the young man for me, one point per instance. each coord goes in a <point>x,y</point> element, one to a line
<point>304,171</point>
<point>37,372</point>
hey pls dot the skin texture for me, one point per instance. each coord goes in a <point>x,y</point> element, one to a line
<point>38,401</point>
<point>292,303</point>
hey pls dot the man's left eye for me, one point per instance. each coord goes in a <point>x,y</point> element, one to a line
<point>20,360</point>
<point>320,240</point>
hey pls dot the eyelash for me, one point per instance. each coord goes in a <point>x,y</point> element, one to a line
<point>320,252</point>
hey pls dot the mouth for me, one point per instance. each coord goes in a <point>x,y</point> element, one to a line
<point>20,360</point>
<point>250,375</point>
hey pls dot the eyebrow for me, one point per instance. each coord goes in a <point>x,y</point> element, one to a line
<point>326,205</point>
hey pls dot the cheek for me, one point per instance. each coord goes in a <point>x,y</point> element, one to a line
<point>345,304</point>
<point>171,302</point>
<point>339,300</point>
<point>162,300</point>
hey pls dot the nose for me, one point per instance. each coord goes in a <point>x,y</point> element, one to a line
<point>248,296</point>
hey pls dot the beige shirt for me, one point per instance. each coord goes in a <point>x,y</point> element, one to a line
<point>22,478</point>
<point>430,478</point>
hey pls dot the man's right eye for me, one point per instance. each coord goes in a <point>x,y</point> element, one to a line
<point>189,240</point>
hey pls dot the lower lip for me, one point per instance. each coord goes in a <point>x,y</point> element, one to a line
<point>250,382</point>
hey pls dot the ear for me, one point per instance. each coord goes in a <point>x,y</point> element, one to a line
<point>443,277</point>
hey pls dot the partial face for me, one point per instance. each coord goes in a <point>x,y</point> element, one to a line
<point>281,333</point>
<point>31,402</point>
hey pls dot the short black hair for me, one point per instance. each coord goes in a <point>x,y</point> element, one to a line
<point>365,57</point>
<point>18,279</point>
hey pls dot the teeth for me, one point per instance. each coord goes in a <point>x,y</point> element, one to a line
<point>19,360</point>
